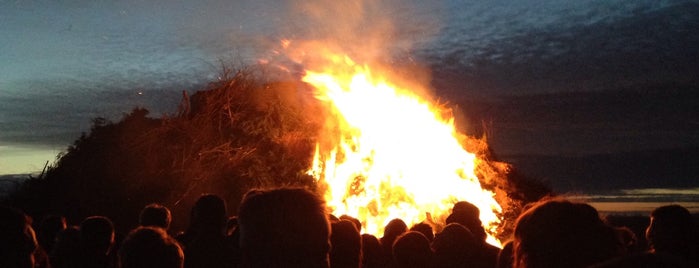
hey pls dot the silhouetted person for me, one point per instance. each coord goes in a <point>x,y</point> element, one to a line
<point>332,218</point>
<point>346,250</point>
<point>559,233</point>
<point>46,236</point>
<point>155,215</point>
<point>234,237</point>
<point>628,240</point>
<point>205,242</point>
<point>372,256</point>
<point>67,252</point>
<point>391,231</point>
<point>231,225</point>
<point>466,208</point>
<point>284,227</point>
<point>506,258</point>
<point>669,236</point>
<point>17,239</point>
<point>49,229</point>
<point>412,250</point>
<point>670,231</point>
<point>454,246</point>
<point>233,233</point>
<point>96,241</point>
<point>468,215</point>
<point>150,247</point>
<point>354,220</point>
<point>425,229</point>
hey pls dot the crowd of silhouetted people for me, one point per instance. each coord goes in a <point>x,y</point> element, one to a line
<point>290,227</point>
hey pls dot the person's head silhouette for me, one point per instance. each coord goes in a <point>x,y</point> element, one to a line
<point>560,233</point>
<point>150,247</point>
<point>284,227</point>
<point>670,230</point>
<point>155,215</point>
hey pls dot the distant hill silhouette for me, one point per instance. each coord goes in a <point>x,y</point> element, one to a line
<point>10,183</point>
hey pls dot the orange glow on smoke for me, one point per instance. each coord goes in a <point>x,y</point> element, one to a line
<point>388,153</point>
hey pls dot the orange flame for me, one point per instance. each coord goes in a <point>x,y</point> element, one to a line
<point>391,154</point>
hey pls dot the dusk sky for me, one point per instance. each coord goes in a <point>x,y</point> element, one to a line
<point>549,77</point>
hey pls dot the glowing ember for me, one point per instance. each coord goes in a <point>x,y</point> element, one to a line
<point>390,154</point>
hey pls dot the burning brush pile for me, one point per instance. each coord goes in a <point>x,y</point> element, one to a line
<point>386,151</point>
<point>360,136</point>
<point>375,146</point>
<point>380,146</point>
<point>365,134</point>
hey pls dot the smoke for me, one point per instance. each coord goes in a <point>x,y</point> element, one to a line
<point>365,30</point>
<point>311,35</point>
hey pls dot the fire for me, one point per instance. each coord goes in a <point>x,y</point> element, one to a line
<point>390,153</point>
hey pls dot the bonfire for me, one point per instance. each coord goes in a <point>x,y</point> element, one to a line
<point>387,152</point>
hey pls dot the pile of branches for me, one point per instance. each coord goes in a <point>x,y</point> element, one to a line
<point>240,132</point>
<point>251,128</point>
